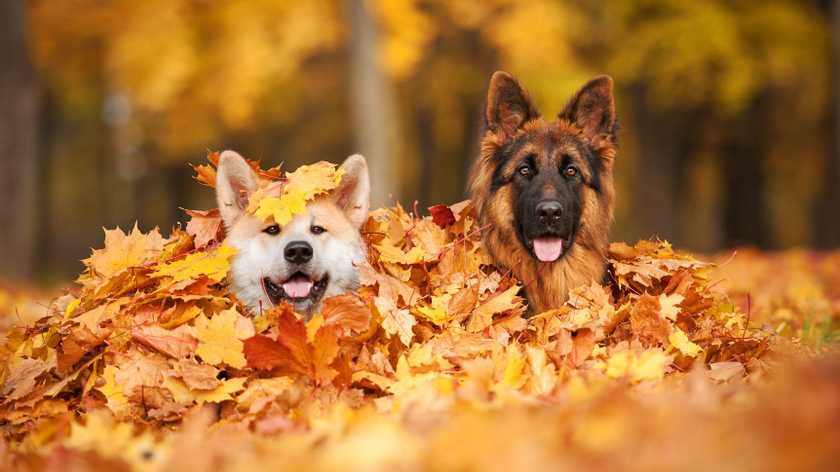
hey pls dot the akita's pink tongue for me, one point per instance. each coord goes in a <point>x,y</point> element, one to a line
<point>297,287</point>
<point>548,249</point>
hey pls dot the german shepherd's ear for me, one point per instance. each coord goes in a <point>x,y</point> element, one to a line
<point>352,195</point>
<point>235,181</point>
<point>592,109</point>
<point>508,105</point>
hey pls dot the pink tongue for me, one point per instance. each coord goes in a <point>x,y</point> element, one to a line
<point>548,249</point>
<point>297,287</point>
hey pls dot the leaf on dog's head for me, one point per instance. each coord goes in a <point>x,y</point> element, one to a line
<point>301,186</point>
<point>205,174</point>
<point>314,180</point>
<point>281,209</point>
<point>214,265</point>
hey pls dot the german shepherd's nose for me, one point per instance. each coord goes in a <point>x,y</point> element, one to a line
<point>298,252</point>
<point>549,211</point>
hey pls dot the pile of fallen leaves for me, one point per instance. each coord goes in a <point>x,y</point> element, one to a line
<point>435,363</point>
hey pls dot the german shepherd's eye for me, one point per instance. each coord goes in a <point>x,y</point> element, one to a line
<point>525,170</point>
<point>317,229</point>
<point>571,171</point>
<point>272,230</point>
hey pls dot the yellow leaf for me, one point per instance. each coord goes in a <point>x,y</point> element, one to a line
<point>395,255</point>
<point>214,265</point>
<point>679,340</point>
<point>117,401</point>
<point>436,312</point>
<point>482,316</point>
<point>217,341</point>
<point>125,250</point>
<point>513,376</point>
<point>71,308</point>
<point>314,180</point>
<point>281,209</point>
<point>185,396</point>
<point>649,365</point>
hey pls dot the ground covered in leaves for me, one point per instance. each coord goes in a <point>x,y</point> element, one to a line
<point>435,364</point>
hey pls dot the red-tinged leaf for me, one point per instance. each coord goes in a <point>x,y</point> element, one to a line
<point>324,352</point>
<point>174,343</point>
<point>348,313</point>
<point>264,353</point>
<point>205,226</point>
<point>291,334</point>
<point>442,215</point>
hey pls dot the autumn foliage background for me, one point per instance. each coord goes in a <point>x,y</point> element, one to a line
<point>729,114</point>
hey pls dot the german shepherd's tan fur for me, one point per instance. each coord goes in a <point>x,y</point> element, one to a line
<point>570,161</point>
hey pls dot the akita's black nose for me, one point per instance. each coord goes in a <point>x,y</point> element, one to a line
<point>549,211</point>
<point>298,252</point>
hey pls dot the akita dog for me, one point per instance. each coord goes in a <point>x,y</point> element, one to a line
<point>312,257</point>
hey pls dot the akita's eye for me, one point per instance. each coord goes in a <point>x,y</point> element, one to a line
<point>525,171</point>
<point>272,230</point>
<point>317,229</point>
<point>570,171</point>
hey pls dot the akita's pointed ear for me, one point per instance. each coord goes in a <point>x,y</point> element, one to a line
<point>235,181</point>
<point>592,109</point>
<point>353,192</point>
<point>508,105</point>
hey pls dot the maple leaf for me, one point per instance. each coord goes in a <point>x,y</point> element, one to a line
<point>125,250</point>
<point>482,317</point>
<point>214,265</point>
<point>669,305</point>
<point>204,226</point>
<point>196,376</point>
<point>313,180</point>
<point>679,340</point>
<point>176,344</point>
<point>281,209</point>
<point>22,376</point>
<point>346,312</point>
<point>395,321</point>
<point>113,391</point>
<point>442,215</point>
<point>292,351</point>
<point>395,255</point>
<point>217,341</point>
<point>646,322</point>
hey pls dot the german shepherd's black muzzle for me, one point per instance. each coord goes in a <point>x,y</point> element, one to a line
<point>547,212</point>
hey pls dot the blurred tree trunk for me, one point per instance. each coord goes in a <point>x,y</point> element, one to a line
<point>372,103</point>
<point>743,152</point>
<point>18,143</point>
<point>663,150</point>
<point>827,223</point>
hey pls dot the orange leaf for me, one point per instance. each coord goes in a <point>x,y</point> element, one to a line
<point>347,312</point>
<point>204,226</point>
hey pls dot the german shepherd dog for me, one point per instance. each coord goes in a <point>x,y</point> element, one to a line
<point>314,256</point>
<point>544,189</point>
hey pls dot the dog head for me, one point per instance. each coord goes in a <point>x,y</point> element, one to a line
<point>312,257</point>
<point>548,174</point>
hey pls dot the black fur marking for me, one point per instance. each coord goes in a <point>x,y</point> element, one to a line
<point>501,157</point>
<point>595,164</point>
